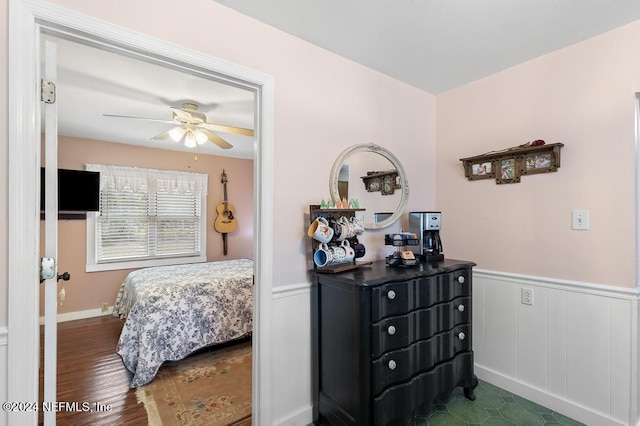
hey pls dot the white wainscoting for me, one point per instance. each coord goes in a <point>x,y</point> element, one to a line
<point>291,325</point>
<point>574,351</point>
<point>3,373</point>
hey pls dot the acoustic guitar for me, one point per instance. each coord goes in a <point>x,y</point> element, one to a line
<point>226,221</point>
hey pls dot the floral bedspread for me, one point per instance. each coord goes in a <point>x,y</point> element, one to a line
<point>172,311</point>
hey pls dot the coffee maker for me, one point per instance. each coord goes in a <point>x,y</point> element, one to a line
<point>426,225</point>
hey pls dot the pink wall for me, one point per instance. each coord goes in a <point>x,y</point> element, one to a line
<point>582,96</point>
<point>89,290</point>
<point>323,104</point>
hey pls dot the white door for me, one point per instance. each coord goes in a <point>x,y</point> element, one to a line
<point>49,79</point>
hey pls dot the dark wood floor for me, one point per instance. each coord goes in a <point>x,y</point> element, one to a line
<point>89,370</point>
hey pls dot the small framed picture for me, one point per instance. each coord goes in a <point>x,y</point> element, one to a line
<point>481,170</point>
<point>509,171</point>
<point>538,163</point>
<point>389,184</point>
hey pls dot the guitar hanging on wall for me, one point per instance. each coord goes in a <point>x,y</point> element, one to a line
<point>226,221</point>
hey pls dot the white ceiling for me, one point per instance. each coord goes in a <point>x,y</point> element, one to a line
<point>434,45</point>
<point>92,82</point>
<point>437,45</point>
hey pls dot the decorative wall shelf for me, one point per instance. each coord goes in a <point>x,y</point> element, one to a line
<point>507,166</point>
<point>384,181</point>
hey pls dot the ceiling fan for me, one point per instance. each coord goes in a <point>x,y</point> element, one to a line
<point>192,127</point>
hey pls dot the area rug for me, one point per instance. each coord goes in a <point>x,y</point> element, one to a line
<point>210,388</point>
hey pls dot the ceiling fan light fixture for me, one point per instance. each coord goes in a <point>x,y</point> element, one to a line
<point>191,127</point>
<point>201,138</point>
<point>190,140</point>
<point>177,133</point>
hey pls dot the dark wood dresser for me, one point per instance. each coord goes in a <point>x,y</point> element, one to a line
<point>392,341</point>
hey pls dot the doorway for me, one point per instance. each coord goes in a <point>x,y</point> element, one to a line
<point>27,21</point>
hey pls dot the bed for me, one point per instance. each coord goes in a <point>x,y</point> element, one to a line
<point>172,311</point>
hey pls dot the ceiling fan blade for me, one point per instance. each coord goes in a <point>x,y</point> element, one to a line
<point>139,118</point>
<point>163,135</point>
<point>217,139</point>
<point>228,129</point>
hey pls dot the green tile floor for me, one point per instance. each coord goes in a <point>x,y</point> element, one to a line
<point>493,406</point>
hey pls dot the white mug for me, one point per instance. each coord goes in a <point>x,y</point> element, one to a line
<point>348,230</point>
<point>344,226</point>
<point>359,229</point>
<point>350,253</point>
<point>338,254</point>
<point>320,230</point>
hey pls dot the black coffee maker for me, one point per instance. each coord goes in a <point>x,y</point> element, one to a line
<point>426,225</point>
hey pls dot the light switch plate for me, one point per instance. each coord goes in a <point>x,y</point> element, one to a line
<point>580,219</point>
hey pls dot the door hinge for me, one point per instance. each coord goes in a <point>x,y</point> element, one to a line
<point>47,268</point>
<point>47,91</point>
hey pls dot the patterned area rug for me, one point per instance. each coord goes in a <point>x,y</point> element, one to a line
<point>210,388</point>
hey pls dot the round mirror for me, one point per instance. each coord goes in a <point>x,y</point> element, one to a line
<point>375,178</point>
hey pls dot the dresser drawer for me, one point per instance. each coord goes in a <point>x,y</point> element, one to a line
<point>403,330</point>
<point>400,365</point>
<point>418,395</point>
<point>401,297</point>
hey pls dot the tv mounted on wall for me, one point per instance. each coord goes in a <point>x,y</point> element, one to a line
<point>78,193</point>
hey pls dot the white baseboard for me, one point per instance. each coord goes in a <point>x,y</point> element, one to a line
<point>71,316</point>
<point>302,417</point>
<point>552,402</point>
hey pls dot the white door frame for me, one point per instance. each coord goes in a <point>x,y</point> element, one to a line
<point>49,72</point>
<point>26,18</point>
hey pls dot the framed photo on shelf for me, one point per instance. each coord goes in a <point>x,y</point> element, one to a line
<point>481,170</point>
<point>538,163</point>
<point>509,171</point>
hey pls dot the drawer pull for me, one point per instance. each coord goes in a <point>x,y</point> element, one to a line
<point>391,330</point>
<point>461,279</point>
<point>392,365</point>
<point>391,295</point>
<point>461,336</point>
<point>461,308</point>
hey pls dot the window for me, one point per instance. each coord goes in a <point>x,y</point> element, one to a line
<point>147,217</point>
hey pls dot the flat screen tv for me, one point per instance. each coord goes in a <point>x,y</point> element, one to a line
<point>78,191</point>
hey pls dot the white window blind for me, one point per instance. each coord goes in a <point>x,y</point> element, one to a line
<point>149,214</point>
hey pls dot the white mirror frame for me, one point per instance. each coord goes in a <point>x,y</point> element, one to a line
<point>404,183</point>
